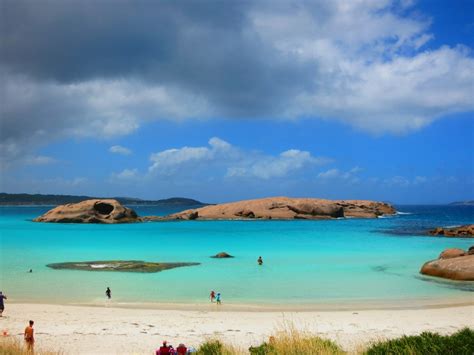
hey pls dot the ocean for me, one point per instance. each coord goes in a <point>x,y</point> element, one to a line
<point>335,262</point>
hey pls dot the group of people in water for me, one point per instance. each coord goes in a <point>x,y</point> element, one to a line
<point>216,297</point>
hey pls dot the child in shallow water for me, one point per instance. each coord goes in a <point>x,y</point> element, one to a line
<point>218,298</point>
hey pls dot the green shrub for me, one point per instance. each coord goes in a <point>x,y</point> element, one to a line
<point>292,341</point>
<point>262,349</point>
<point>216,347</point>
<point>459,343</point>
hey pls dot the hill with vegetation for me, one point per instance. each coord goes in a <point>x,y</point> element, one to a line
<point>40,199</point>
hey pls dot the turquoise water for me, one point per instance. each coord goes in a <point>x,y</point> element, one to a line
<point>305,262</point>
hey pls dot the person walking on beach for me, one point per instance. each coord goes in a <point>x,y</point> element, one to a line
<point>213,296</point>
<point>260,260</point>
<point>29,337</point>
<point>218,298</point>
<point>2,305</point>
<point>108,293</point>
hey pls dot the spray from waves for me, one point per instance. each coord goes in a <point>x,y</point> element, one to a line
<point>403,213</point>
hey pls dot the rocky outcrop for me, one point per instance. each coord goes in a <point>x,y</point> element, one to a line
<point>453,264</point>
<point>466,231</point>
<point>222,255</point>
<point>286,208</point>
<point>90,211</point>
<point>451,253</point>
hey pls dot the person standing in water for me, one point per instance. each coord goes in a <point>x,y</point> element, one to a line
<point>108,293</point>
<point>212,296</point>
<point>260,260</point>
<point>218,298</point>
<point>29,337</point>
<point>2,305</point>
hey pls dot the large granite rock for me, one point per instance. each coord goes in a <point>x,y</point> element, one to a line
<point>90,211</point>
<point>285,208</point>
<point>453,264</point>
<point>466,231</point>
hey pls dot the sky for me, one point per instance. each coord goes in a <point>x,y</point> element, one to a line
<point>229,100</point>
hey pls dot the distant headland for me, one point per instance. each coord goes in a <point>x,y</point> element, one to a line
<point>279,208</point>
<point>462,203</point>
<point>53,200</point>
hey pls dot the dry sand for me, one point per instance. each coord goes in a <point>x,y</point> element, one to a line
<point>113,330</point>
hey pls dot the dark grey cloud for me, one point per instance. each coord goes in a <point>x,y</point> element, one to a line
<point>201,46</point>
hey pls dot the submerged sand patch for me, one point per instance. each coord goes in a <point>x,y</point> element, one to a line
<point>119,266</point>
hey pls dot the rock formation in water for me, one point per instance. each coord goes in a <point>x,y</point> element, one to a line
<point>118,266</point>
<point>222,255</point>
<point>90,211</point>
<point>285,208</point>
<point>453,264</point>
<point>111,211</point>
<point>466,231</point>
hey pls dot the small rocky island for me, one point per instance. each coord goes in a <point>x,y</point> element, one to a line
<point>466,231</point>
<point>90,211</point>
<point>281,208</point>
<point>118,266</point>
<point>285,208</point>
<point>453,264</point>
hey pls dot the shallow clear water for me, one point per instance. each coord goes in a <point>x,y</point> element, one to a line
<point>305,262</point>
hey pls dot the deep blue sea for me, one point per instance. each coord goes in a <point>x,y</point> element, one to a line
<point>305,262</point>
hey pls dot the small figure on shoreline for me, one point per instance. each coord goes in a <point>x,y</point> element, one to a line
<point>212,296</point>
<point>29,337</point>
<point>2,305</point>
<point>260,260</point>
<point>218,298</point>
<point>108,293</point>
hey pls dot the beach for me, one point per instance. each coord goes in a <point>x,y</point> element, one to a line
<point>109,329</point>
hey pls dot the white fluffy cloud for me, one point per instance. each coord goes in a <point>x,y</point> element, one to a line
<point>118,149</point>
<point>336,173</point>
<point>231,161</point>
<point>267,167</point>
<point>126,175</point>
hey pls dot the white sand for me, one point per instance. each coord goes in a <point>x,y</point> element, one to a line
<point>111,330</point>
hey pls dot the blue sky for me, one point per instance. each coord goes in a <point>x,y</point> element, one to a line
<point>366,100</point>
